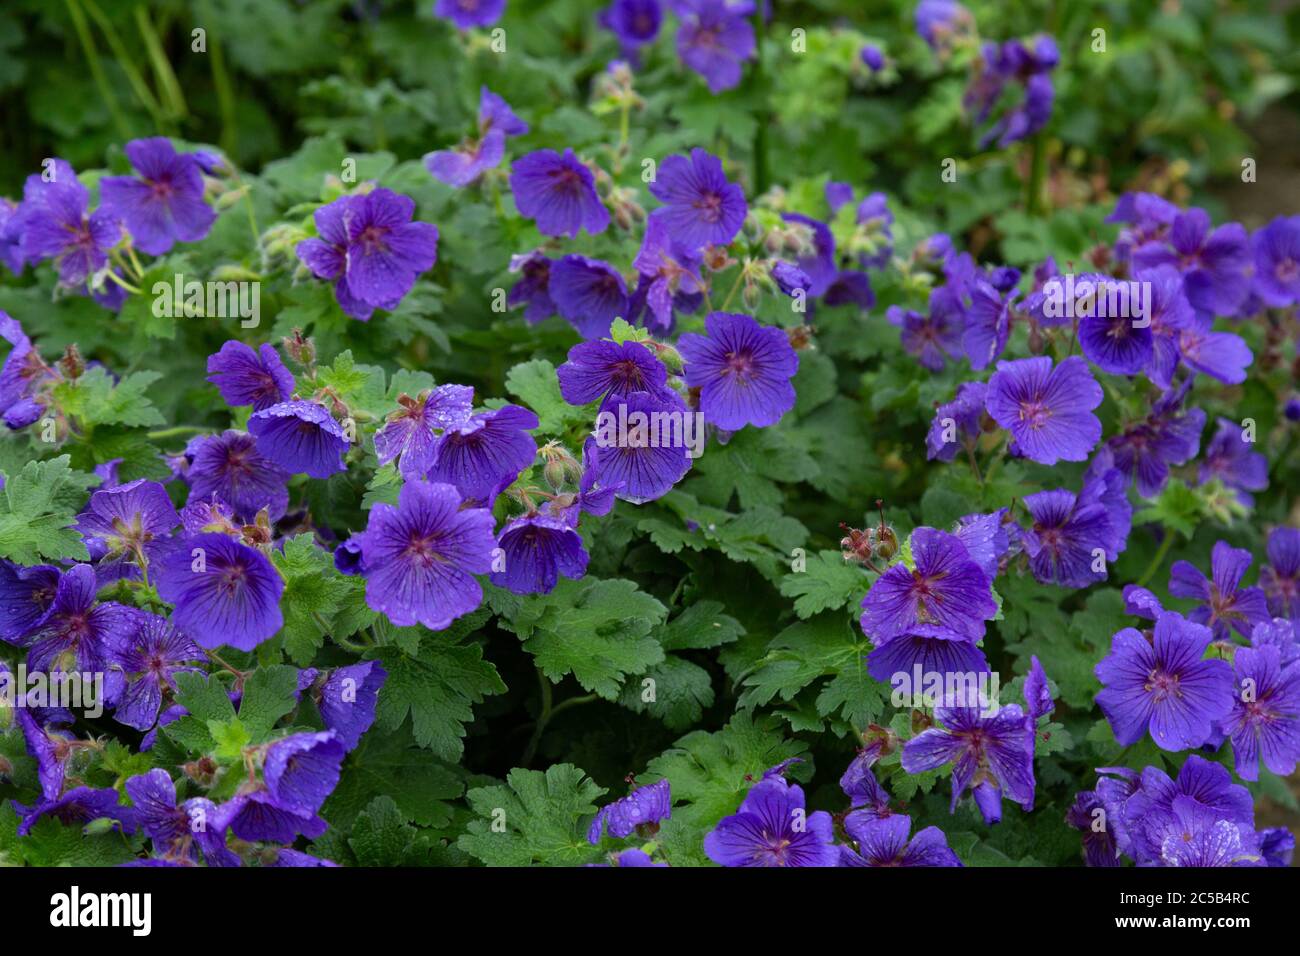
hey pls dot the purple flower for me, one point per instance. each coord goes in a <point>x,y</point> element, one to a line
<point>78,635</point>
<point>1088,815</point>
<point>772,829</point>
<point>1226,606</point>
<point>956,423</point>
<point>11,252</point>
<point>872,58</point>
<point>1221,355</point>
<point>165,204</point>
<point>127,522</point>
<point>641,458</point>
<point>301,770</point>
<point>643,807</point>
<point>419,557</point>
<point>928,651</point>
<point>300,437</point>
<point>245,377</point>
<point>594,369</point>
<point>985,538</point>
<point>669,272</point>
<point>463,165</point>
<point>1038,695</point>
<point>1277,262</point>
<point>1113,342</point>
<point>939,21</point>
<point>1229,458</point>
<point>533,289</point>
<point>26,596</point>
<point>743,370</point>
<point>588,294</point>
<point>538,548</point>
<point>1280,578</point>
<point>371,248</point>
<point>1280,635</point>
<point>50,749</point>
<point>1276,846</point>
<point>1047,410</point>
<point>150,657</point>
<point>1147,217</point>
<point>987,321</point>
<point>817,258</point>
<point>945,593</point>
<point>884,842</point>
<point>1147,449</point>
<point>1164,684</point>
<point>559,192</point>
<point>230,468</point>
<point>933,336</point>
<point>347,700</point>
<point>1215,263</point>
<point>993,756</point>
<point>1136,804</point>
<point>714,39</point>
<point>178,832</point>
<point>1069,534</point>
<point>470,13</point>
<point>52,223</point>
<point>78,806</point>
<point>1265,718</point>
<point>296,858</point>
<point>255,815</point>
<point>224,592</point>
<point>485,453</point>
<point>701,206</point>
<point>634,22</point>
<point>411,433</point>
<point>1189,835</point>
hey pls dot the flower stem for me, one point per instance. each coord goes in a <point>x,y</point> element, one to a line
<point>1158,560</point>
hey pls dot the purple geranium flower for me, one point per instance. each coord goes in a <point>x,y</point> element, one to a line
<point>1088,815</point>
<point>1168,436</point>
<point>1116,343</point>
<point>588,294</point>
<point>884,842</point>
<point>933,336</point>
<point>669,272</point>
<point>644,462</point>
<point>1264,722</point>
<point>1215,263</point>
<point>987,323</point>
<point>1280,578</point>
<point>79,635</point>
<point>127,523</point>
<point>986,539</point>
<point>538,548</point>
<point>643,807</point>
<point>470,13</point>
<point>956,423</point>
<point>1038,695</point>
<point>77,807</point>
<point>743,370</point>
<point>181,832</point>
<point>772,829</point>
<point>1229,458</point>
<point>411,433</point>
<point>26,596</point>
<point>1221,355</point>
<point>300,437</point>
<point>245,377</point>
<point>150,657</point>
<point>347,700</point>
<point>463,165</point>
<point>224,592</point>
<point>419,557</point>
<point>1277,262</point>
<point>939,21</point>
<point>485,453</point>
<point>301,770</point>
<point>1069,534</point>
<point>229,468</point>
<point>559,192</point>
<point>701,206</point>
<point>945,592</point>
<point>165,204</point>
<point>594,369</point>
<point>52,223</point>
<point>991,755</point>
<point>634,22</point>
<point>1047,410</point>
<point>255,815</point>
<point>1226,606</point>
<point>927,651</point>
<point>1164,684</point>
<point>11,251</point>
<point>532,290</point>
<point>714,39</point>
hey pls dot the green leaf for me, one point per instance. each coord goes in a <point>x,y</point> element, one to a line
<point>599,631</point>
<point>438,689</point>
<point>1176,508</point>
<point>269,694</point>
<point>536,818</point>
<point>536,385</point>
<point>827,583</point>
<point>681,692</point>
<point>313,589</point>
<point>38,507</point>
<point>700,626</point>
<point>391,764</point>
<point>94,399</point>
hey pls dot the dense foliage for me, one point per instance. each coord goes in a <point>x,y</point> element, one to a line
<point>550,433</point>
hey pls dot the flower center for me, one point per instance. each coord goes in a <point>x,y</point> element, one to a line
<point>710,207</point>
<point>1162,685</point>
<point>1034,414</point>
<point>740,364</point>
<point>1287,270</point>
